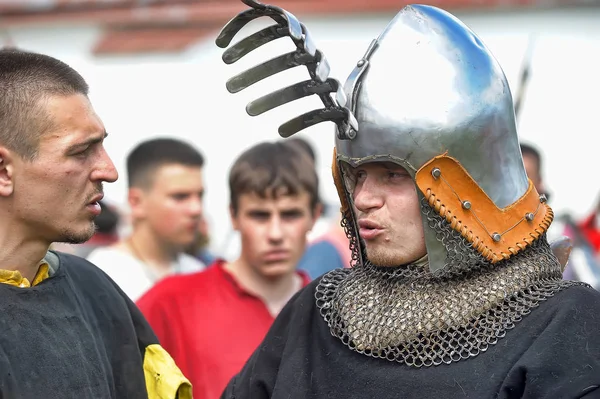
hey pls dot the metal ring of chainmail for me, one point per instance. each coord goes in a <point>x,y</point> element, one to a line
<point>408,315</point>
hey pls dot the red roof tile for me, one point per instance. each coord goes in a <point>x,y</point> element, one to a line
<point>149,39</point>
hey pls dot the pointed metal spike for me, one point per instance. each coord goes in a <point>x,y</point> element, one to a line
<point>255,4</point>
<point>295,28</point>
<point>308,44</point>
<point>266,69</point>
<point>289,94</point>
<point>232,27</point>
<point>352,122</point>
<point>340,97</point>
<point>323,69</point>
<point>347,128</point>
<point>311,118</point>
<point>252,42</point>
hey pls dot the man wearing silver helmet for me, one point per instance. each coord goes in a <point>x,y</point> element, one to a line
<point>454,289</point>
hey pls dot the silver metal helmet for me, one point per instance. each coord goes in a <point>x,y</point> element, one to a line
<point>428,86</point>
<point>429,96</point>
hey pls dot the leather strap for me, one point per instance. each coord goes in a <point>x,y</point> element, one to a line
<point>339,183</point>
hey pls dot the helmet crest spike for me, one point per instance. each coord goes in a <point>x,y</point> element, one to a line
<point>327,89</point>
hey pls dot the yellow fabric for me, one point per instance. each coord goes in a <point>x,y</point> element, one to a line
<point>41,274</point>
<point>14,277</point>
<point>164,380</point>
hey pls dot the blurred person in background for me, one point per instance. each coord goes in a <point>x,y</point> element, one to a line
<point>165,198</point>
<point>68,331</point>
<point>330,249</point>
<point>584,260</point>
<point>589,227</point>
<point>200,248</point>
<point>212,321</point>
<point>532,160</point>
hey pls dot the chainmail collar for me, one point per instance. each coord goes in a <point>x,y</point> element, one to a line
<point>408,315</point>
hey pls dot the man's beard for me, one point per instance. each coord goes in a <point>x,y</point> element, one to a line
<point>382,257</point>
<point>71,236</point>
<point>78,237</point>
<point>386,257</point>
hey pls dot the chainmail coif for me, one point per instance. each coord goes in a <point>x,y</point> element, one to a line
<point>407,314</point>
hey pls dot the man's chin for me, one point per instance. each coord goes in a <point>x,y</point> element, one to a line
<point>76,237</point>
<point>384,258</point>
<point>276,269</point>
<point>390,259</point>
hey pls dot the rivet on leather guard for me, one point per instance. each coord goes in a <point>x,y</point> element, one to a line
<point>494,232</point>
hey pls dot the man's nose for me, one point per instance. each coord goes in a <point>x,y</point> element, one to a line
<point>275,229</point>
<point>105,170</point>
<point>367,195</point>
<point>196,207</point>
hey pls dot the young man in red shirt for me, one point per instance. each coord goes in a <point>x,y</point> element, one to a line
<point>212,321</point>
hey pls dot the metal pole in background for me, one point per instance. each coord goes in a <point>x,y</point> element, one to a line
<point>524,78</point>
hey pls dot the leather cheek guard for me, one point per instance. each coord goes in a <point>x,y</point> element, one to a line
<point>495,233</point>
<point>339,183</point>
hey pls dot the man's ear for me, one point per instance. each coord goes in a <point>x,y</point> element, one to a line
<point>233,217</point>
<point>136,198</point>
<point>6,172</point>
<point>318,210</point>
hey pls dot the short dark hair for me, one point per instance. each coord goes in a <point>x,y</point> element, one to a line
<point>304,145</point>
<point>150,155</point>
<point>26,79</point>
<point>528,149</point>
<point>273,168</point>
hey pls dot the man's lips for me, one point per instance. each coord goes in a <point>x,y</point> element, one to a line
<point>96,198</point>
<point>94,204</point>
<point>369,224</point>
<point>276,256</point>
<point>369,230</point>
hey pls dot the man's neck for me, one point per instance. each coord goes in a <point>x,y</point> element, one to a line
<point>20,253</point>
<point>275,292</point>
<point>144,245</point>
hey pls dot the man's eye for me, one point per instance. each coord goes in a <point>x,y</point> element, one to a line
<point>291,215</point>
<point>397,175</point>
<point>83,152</point>
<point>259,215</point>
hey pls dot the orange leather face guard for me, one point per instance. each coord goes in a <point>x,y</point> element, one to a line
<point>339,184</point>
<point>495,233</point>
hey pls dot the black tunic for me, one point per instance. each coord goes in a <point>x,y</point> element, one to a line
<point>554,352</point>
<point>74,335</point>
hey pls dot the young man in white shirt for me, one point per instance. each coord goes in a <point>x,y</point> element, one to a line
<point>165,198</point>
